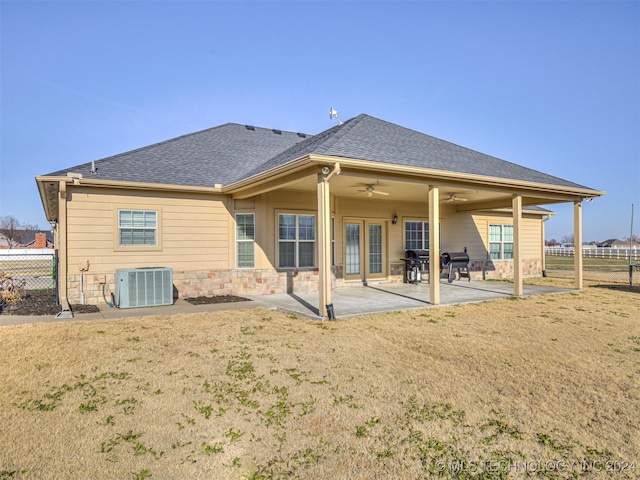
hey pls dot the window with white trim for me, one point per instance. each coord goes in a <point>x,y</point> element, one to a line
<point>501,242</point>
<point>137,227</point>
<point>245,240</point>
<point>416,235</point>
<point>296,240</point>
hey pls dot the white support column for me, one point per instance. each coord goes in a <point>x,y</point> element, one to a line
<point>434,245</point>
<point>517,245</point>
<point>543,253</point>
<point>324,246</point>
<point>577,242</point>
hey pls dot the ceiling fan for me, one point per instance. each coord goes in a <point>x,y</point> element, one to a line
<point>370,190</point>
<point>454,198</point>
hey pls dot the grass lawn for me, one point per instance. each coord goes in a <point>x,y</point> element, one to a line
<point>543,387</point>
<point>589,263</point>
<point>608,270</point>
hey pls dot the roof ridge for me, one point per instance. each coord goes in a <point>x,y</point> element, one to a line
<point>341,131</point>
<point>317,143</point>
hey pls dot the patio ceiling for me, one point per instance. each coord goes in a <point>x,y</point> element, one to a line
<point>353,183</point>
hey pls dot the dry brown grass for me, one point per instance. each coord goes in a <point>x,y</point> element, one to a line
<point>519,383</point>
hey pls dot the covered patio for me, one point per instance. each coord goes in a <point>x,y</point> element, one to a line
<point>386,297</point>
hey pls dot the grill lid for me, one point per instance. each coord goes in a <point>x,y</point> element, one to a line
<point>455,257</point>
<point>416,253</point>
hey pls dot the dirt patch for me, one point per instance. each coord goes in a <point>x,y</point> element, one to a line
<point>41,302</point>
<point>216,299</point>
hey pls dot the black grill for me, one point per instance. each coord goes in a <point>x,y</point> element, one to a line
<point>455,262</point>
<point>416,265</point>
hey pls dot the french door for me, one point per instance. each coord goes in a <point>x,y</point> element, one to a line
<point>365,250</point>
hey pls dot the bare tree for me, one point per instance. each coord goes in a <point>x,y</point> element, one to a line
<point>634,238</point>
<point>567,240</point>
<point>13,230</point>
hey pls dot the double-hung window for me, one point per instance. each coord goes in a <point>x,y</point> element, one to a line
<point>296,240</point>
<point>245,240</point>
<point>416,235</point>
<point>137,227</point>
<point>500,242</point>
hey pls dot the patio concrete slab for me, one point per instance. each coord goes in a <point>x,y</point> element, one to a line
<point>383,297</point>
<point>347,301</point>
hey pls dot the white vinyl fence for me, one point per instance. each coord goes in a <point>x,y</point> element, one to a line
<point>597,252</point>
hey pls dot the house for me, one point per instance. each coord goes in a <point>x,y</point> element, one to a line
<point>28,239</point>
<point>38,239</point>
<point>238,209</point>
<point>615,243</point>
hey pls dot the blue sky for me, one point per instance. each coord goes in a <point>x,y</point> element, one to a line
<point>554,86</point>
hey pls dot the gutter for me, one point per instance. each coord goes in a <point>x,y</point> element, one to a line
<point>456,177</point>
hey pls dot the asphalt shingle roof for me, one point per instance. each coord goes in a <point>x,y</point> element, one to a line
<point>219,155</point>
<point>232,152</point>
<point>368,138</point>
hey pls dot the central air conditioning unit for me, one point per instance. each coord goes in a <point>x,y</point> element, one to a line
<point>144,287</point>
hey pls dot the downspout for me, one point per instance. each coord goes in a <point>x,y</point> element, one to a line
<point>62,252</point>
<point>336,171</point>
<point>325,305</point>
<point>544,257</point>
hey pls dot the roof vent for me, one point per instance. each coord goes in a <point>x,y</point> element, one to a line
<point>277,132</point>
<point>302,135</point>
<point>250,127</point>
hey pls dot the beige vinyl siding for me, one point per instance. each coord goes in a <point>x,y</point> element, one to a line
<point>531,246</point>
<point>193,231</point>
<point>283,201</point>
<point>472,231</point>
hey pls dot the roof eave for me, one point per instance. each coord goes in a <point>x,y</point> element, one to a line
<point>280,171</point>
<point>79,180</point>
<point>446,176</point>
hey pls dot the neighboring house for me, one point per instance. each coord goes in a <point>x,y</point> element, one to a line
<point>29,239</point>
<point>238,209</point>
<point>38,239</point>
<point>615,243</point>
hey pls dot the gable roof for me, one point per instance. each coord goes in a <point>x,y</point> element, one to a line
<point>231,153</point>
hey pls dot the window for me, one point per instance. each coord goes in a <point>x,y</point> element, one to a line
<point>375,248</point>
<point>500,242</point>
<point>245,240</point>
<point>137,227</point>
<point>416,235</point>
<point>296,240</point>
